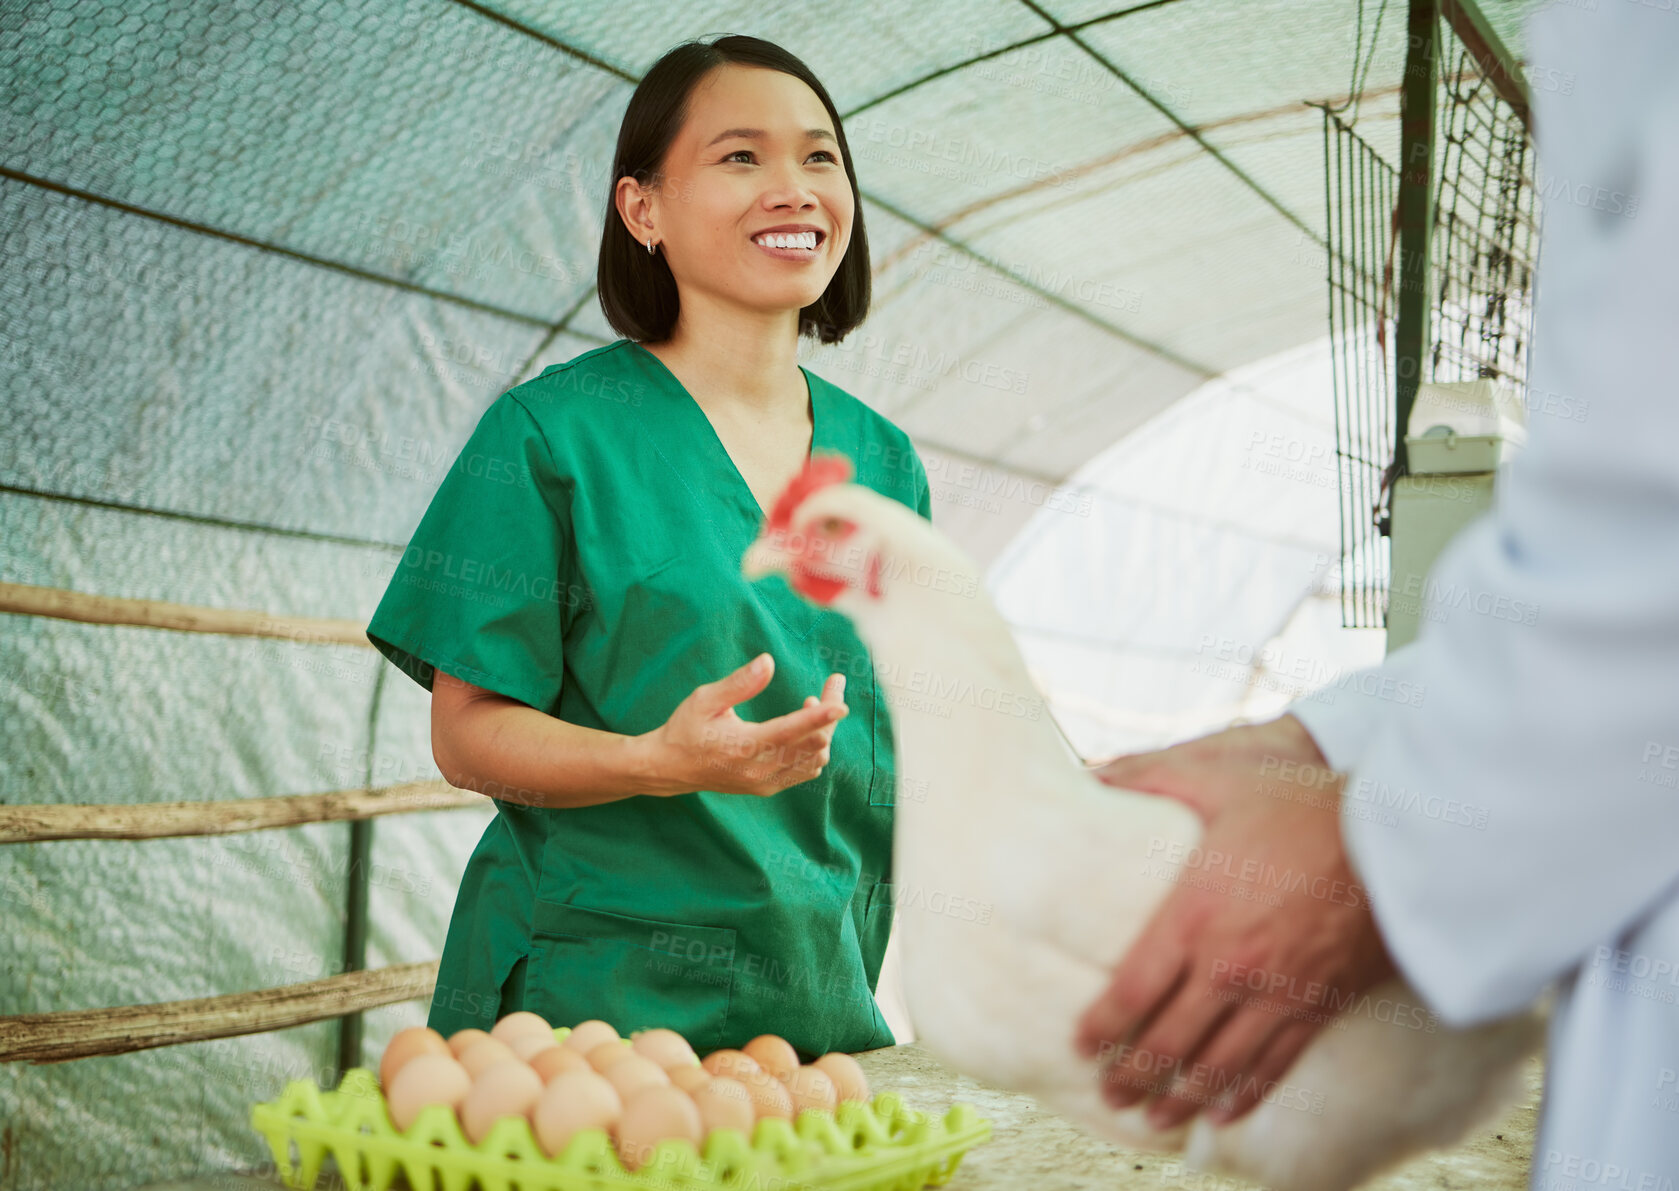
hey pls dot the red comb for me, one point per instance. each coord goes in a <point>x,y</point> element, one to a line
<point>826,468</point>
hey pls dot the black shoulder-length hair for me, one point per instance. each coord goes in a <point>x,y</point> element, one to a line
<point>637,292</point>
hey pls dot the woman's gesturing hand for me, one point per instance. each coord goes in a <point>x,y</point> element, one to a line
<point>706,746</point>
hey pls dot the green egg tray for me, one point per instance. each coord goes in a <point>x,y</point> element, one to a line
<point>875,1146</point>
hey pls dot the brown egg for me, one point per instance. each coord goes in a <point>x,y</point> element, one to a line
<point>485,1053</point>
<point>652,1115</point>
<point>773,1054</point>
<point>811,1087</point>
<point>770,1097</point>
<point>632,1073</point>
<point>606,1054</point>
<point>424,1080</point>
<point>554,1062</point>
<point>689,1078</point>
<point>408,1044</point>
<point>573,1102</point>
<point>508,1089</point>
<point>586,1035</point>
<point>725,1103</point>
<point>517,1025</point>
<point>667,1048</point>
<point>461,1039</point>
<point>732,1063</point>
<point>528,1046</point>
<point>849,1081</point>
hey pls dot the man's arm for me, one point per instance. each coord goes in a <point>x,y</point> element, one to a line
<point>1529,807</point>
<point>1342,720</point>
<point>1522,813</point>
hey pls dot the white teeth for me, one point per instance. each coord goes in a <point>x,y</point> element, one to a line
<point>788,240</point>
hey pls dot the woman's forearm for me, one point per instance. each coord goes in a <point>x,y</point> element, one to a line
<point>509,751</point>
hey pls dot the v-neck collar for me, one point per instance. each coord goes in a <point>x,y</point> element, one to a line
<point>817,423</point>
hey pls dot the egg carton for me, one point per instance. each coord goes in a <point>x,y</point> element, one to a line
<point>879,1145</point>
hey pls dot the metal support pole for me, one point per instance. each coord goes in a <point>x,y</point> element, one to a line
<point>356,895</point>
<point>1416,214</point>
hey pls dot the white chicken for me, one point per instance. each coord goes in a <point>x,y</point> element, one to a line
<point>1021,879</point>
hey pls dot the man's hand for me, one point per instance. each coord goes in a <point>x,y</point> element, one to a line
<point>1226,985</point>
<point>1208,773</point>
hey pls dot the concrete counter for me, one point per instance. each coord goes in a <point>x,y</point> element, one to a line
<point>1033,1150</point>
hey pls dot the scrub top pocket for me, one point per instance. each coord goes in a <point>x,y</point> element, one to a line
<point>635,973</point>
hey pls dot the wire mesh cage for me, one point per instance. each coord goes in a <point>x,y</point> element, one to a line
<point>1486,234</point>
<point>1479,279</point>
<point>1361,193</point>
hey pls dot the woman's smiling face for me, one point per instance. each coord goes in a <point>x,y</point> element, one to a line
<point>757,151</point>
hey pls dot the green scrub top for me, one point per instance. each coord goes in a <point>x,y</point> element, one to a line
<point>582,555</point>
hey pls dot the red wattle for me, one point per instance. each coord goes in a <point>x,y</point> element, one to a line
<point>819,588</point>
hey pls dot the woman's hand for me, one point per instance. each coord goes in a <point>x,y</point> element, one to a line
<point>706,746</point>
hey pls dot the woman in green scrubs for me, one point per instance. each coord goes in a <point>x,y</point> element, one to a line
<point>576,584</point>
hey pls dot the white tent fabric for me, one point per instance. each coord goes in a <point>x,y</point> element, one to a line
<point>1195,580</point>
<point>263,264</point>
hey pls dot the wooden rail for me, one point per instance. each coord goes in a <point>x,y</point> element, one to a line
<point>83,1033</point>
<point>167,820</point>
<point>188,618</point>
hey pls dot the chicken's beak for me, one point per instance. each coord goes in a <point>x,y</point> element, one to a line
<point>765,556</point>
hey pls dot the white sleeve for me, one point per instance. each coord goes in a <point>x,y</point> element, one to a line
<point>1343,716</point>
<point>1527,809</point>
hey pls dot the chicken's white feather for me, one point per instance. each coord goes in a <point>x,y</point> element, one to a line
<point>1021,880</point>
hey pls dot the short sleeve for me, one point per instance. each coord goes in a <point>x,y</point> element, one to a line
<point>923,491</point>
<point>483,591</point>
